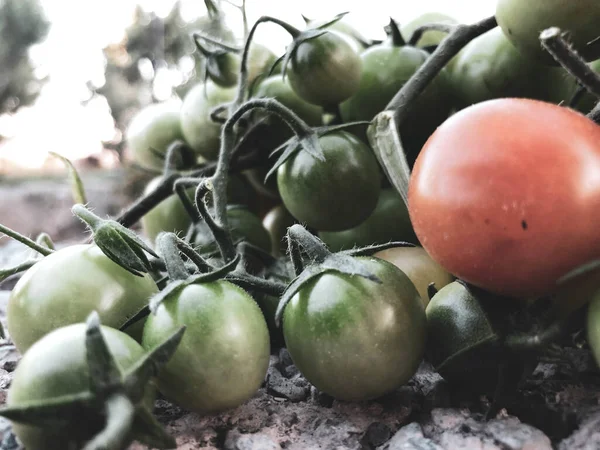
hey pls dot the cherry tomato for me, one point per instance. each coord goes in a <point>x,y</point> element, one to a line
<point>225,72</point>
<point>523,21</point>
<point>345,30</point>
<point>200,132</point>
<point>388,222</point>
<point>223,357</point>
<point>419,267</point>
<point>430,38</point>
<point>505,195</point>
<point>66,286</point>
<point>335,194</point>
<point>151,131</point>
<point>276,222</point>
<point>353,338</point>
<point>324,70</point>
<point>57,366</point>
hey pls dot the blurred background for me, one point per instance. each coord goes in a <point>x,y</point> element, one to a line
<point>74,72</point>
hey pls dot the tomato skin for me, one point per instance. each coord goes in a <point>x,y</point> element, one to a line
<point>419,267</point>
<point>494,193</point>
<point>201,133</point>
<point>593,327</point>
<point>355,339</point>
<point>491,67</point>
<point>66,286</point>
<point>388,222</point>
<point>522,22</point>
<point>47,371</point>
<point>276,222</point>
<point>385,69</point>
<point>154,127</point>
<point>325,70</point>
<point>335,194</point>
<point>223,357</point>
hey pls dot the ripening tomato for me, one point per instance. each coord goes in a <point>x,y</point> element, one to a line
<point>506,195</point>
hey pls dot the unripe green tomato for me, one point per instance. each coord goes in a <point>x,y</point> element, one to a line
<point>57,366</point>
<point>335,194</point>
<point>593,327</point>
<point>385,69</point>
<point>200,132</point>
<point>226,71</point>
<point>170,214</point>
<point>68,285</point>
<point>152,130</point>
<point>562,86</point>
<point>388,222</point>
<point>325,70</point>
<point>432,37</point>
<point>523,21</point>
<point>491,67</point>
<point>355,339</point>
<point>223,357</point>
<point>276,222</point>
<point>419,267</point>
<point>347,31</point>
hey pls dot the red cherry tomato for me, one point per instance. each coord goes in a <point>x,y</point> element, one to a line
<point>506,195</point>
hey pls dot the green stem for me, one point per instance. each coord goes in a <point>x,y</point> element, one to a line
<point>405,98</point>
<point>26,241</point>
<point>535,341</point>
<point>228,138</point>
<point>312,246</point>
<point>120,414</point>
<point>562,52</point>
<point>45,240</point>
<point>169,249</point>
<point>295,255</point>
<point>194,257</point>
<point>221,234</point>
<point>418,33</point>
<point>181,186</point>
<point>5,274</point>
<point>178,154</point>
<point>251,282</point>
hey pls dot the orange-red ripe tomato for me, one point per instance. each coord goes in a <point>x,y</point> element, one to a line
<point>506,195</point>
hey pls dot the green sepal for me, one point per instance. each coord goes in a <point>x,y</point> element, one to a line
<point>372,249</point>
<point>148,431</point>
<point>118,243</point>
<point>77,188</point>
<point>54,412</point>
<point>120,413</point>
<point>140,373</point>
<point>105,375</point>
<point>312,147</point>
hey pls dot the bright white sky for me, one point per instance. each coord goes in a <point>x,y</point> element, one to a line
<point>72,54</point>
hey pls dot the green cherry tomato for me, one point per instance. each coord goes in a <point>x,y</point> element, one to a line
<point>66,286</point>
<point>244,224</point>
<point>419,267</point>
<point>276,222</point>
<point>324,70</point>
<point>385,69</point>
<point>335,194</point>
<point>353,338</point>
<point>491,67</point>
<point>223,357</point>
<point>225,72</point>
<point>57,366</point>
<point>593,327</point>
<point>170,214</point>
<point>389,222</point>
<point>201,133</point>
<point>429,38</point>
<point>345,30</point>
<point>151,131</point>
<point>523,21</point>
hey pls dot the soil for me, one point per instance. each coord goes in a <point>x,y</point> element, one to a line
<point>558,407</point>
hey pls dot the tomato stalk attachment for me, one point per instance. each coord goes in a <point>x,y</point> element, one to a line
<point>562,52</point>
<point>418,33</point>
<point>115,398</point>
<point>38,247</point>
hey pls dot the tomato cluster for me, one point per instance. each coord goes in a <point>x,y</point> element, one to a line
<point>274,222</point>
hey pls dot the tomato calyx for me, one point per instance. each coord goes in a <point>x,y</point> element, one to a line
<point>114,396</point>
<point>220,57</point>
<point>118,243</point>
<point>393,31</point>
